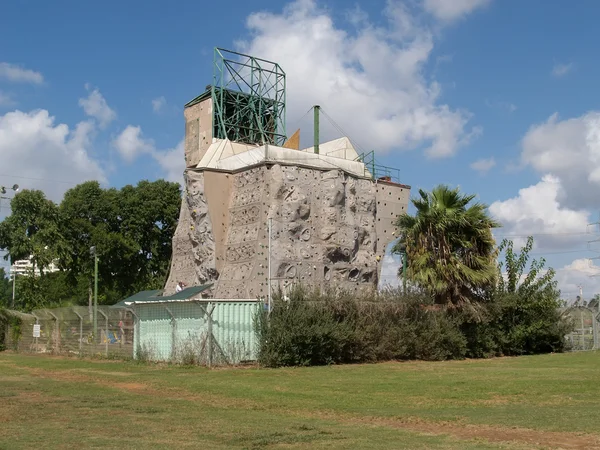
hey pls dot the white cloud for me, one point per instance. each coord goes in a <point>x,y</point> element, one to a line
<point>483,165</point>
<point>131,143</point>
<point>390,265</point>
<point>95,106</point>
<point>370,80</point>
<point>536,211</point>
<point>158,104</point>
<point>37,153</point>
<point>450,10</point>
<point>560,70</point>
<point>17,74</point>
<point>580,272</point>
<point>172,162</point>
<point>570,150</point>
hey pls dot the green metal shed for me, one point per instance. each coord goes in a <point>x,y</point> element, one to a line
<point>201,331</point>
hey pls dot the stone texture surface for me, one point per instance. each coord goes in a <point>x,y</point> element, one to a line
<point>194,249</point>
<point>328,229</point>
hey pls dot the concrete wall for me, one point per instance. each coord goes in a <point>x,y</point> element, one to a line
<point>198,131</point>
<point>392,200</point>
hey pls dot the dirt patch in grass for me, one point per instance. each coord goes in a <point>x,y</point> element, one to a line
<point>498,400</point>
<point>10,378</point>
<point>545,439</point>
<point>104,372</point>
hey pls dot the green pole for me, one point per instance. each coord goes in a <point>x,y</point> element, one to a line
<point>95,295</point>
<point>316,109</point>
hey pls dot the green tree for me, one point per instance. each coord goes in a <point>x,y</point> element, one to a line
<point>149,214</point>
<point>449,245</point>
<point>131,228</point>
<point>528,302</point>
<point>89,216</point>
<point>32,230</point>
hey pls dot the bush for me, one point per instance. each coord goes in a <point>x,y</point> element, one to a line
<point>317,329</point>
<point>303,331</point>
<point>10,330</point>
<point>311,328</point>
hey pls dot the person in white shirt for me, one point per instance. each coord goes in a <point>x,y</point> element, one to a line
<point>179,287</point>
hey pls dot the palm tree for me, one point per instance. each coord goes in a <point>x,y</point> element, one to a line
<point>449,246</point>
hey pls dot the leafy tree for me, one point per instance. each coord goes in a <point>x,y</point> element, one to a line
<point>131,228</point>
<point>449,246</point>
<point>32,230</point>
<point>149,215</point>
<point>89,216</point>
<point>529,319</point>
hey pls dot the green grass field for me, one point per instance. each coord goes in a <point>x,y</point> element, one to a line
<point>550,401</point>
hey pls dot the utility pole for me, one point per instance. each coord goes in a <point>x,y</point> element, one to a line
<point>15,189</point>
<point>14,277</point>
<point>95,318</point>
<point>589,248</point>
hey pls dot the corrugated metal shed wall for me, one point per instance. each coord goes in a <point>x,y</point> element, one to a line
<point>178,331</point>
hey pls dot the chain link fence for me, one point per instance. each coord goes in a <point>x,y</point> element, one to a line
<point>206,332</point>
<point>586,328</point>
<point>70,330</point>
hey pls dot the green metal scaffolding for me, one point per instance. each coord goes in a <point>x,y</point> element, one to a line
<point>248,95</point>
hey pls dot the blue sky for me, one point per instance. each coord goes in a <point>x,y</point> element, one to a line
<point>490,95</point>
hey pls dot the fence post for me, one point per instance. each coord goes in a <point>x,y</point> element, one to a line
<point>209,312</point>
<point>136,335</point>
<point>56,332</point>
<point>582,331</point>
<point>80,330</point>
<point>595,330</point>
<point>105,332</point>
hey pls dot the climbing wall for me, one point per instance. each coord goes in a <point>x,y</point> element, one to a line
<point>194,250</point>
<point>244,271</point>
<point>329,229</point>
<point>323,231</point>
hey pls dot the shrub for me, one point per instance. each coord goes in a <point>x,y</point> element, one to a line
<point>311,328</point>
<point>10,330</point>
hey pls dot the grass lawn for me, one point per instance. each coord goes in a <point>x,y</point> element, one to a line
<point>550,401</point>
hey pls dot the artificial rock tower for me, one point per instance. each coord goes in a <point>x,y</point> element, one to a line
<point>332,212</point>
